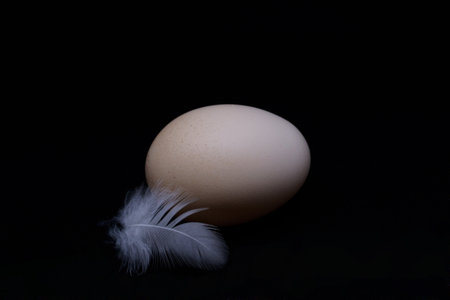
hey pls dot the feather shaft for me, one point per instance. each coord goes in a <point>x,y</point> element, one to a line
<point>172,230</point>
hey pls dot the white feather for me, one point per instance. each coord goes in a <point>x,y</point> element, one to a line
<point>150,231</point>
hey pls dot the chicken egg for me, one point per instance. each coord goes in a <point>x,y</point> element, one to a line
<point>238,161</point>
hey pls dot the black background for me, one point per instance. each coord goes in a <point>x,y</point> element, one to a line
<point>89,87</point>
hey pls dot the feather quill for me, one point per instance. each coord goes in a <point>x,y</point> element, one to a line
<point>149,229</point>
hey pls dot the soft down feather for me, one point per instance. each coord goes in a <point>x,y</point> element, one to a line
<point>150,230</point>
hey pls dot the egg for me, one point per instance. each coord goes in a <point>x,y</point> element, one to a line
<point>238,161</point>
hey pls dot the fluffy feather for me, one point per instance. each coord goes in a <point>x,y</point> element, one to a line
<point>150,230</point>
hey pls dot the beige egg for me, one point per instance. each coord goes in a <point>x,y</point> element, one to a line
<point>239,161</point>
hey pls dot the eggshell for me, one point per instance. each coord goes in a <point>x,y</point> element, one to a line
<point>239,161</point>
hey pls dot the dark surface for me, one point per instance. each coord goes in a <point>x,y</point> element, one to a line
<point>92,86</point>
